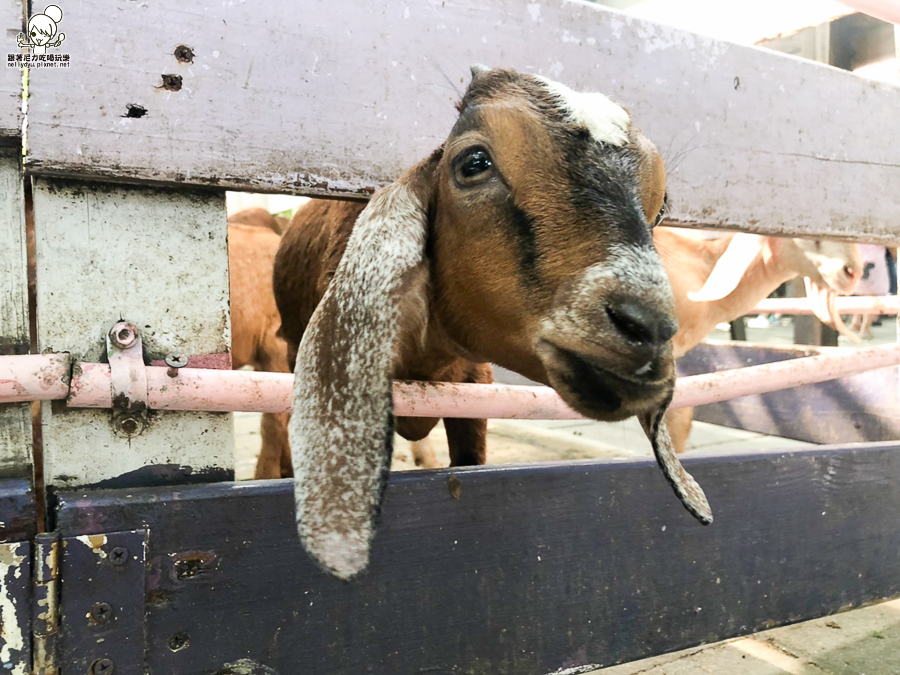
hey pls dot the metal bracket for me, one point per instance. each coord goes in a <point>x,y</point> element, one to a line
<point>128,379</point>
<point>45,608</point>
<point>103,606</point>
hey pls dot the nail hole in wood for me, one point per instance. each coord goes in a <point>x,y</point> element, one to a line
<point>171,82</point>
<point>135,111</point>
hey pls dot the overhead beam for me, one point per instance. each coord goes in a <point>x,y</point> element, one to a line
<point>277,100</point>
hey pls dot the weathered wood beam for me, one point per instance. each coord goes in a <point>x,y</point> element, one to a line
<point>158,259</point>
<point>856,409</point>
<point>277,99</point>
<point>15,418</point>
<point>530,569</point>
<point>11,23</point>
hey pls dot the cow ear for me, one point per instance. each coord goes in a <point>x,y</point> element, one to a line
<point>342,426</point>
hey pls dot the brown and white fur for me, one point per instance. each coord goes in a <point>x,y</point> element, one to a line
<point>719,280</point>
<point>255,323</point>
<point>524,240</point>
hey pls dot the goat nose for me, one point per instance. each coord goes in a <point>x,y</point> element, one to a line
<point>642,324</point>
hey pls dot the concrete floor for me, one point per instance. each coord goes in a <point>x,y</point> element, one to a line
<point>860,642</point>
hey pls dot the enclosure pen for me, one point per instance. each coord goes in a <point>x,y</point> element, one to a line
<point>168,566</point>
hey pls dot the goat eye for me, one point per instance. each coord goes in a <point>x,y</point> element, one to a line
<point>662,212</point>
<point>473,165</point>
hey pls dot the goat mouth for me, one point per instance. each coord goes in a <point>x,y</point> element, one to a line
<point>599,392</point>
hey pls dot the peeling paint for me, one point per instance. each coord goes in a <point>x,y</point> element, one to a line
<point>12,639</point>
<point>95,542</point>
<point>576,670</point>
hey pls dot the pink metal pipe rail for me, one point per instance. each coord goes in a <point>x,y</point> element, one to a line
<point>886,304</point>
<point>26,378</point>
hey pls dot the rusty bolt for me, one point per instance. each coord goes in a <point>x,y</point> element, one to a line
<point>118,555</point>
<point>175,361</point>
<point>102,667</point>
<point>102,612</point>
<point>130,425</point>
<point>123,335</point>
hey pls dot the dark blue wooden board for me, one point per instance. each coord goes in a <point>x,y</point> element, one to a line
<point>847,410</point>
<point>533,569</point>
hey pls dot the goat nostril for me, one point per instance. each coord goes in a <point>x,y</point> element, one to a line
<point>849,271</point>
<point>640,324</point>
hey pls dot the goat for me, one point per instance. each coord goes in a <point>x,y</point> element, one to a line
<point>718,280</point>
<point>524,240</point>
<point>259,217</point>
<point>875,281</point>
<point>254,327</point>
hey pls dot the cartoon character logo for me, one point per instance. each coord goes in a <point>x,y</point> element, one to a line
<point>42,29</point>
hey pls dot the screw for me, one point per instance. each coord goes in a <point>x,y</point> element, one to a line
<point>102,667</point>
<point>123,335</point>
<point>175,361</point>
<point>184,54</point>
<point>102,612</point>
<point>118,555</point>
<point>178,641</point>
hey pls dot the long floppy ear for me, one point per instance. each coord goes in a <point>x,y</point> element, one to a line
<point>730,268</point>
<point>342,426</point>
<point>686,488</point>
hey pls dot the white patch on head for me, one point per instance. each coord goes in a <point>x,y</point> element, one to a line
<point>340,430</point>
<point>605,120</point>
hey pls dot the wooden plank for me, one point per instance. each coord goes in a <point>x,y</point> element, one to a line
<point>11,23</point>
<point>15,418</point>
<point>338,96</point>
<point>17,519</point>
<point>156,258</point>
<point>847,410</point>
<point>102,612</point>
<point>526,569</point>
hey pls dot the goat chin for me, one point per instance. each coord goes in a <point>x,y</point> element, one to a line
<point>601,389</point>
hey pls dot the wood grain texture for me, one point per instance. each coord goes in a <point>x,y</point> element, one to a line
<point>338,96</point>
<point>847,410</point>
<point>15,418</point>
<point>530,570</point>
<point>11,23</point>
<point>156,258</point>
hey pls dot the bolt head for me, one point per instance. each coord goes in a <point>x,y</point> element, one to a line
<point>123,335</point>
<point>129,425</point>
<point>118,555</point>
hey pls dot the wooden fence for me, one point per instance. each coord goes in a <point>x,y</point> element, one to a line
<point>125,154</point>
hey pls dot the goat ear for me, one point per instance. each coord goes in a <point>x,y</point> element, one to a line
<point>686,488</point>
<point>730,268</point>
<point>342,426</point>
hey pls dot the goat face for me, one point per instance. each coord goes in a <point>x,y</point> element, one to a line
<point>543,260</point>
<point>523,240</point>
<point>835,264</point>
